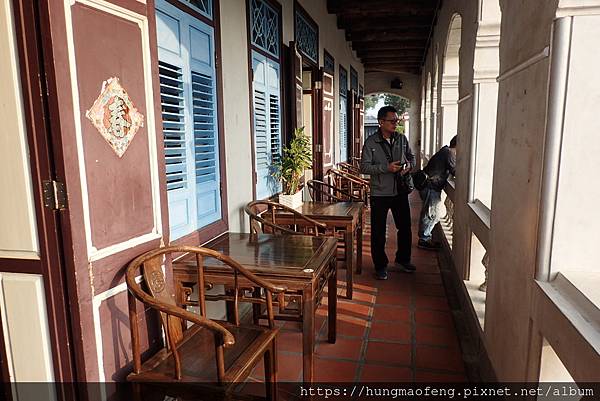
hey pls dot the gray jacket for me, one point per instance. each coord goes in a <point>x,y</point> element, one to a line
<point>374,162</point>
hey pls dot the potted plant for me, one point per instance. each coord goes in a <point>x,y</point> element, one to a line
<point>289,169</point>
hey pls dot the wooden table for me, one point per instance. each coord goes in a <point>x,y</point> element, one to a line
<point>346,217</point>
<point>304,264</point>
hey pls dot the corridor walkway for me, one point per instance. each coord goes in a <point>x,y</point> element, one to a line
<point>399,330</point>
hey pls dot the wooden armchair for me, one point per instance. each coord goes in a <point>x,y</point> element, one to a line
<point>211,355</point>
<point>349,168</point>
<point>274,218</point>
<point>330,193</point>
<point>350,183</point>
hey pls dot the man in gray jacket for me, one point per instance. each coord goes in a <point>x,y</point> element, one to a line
<point>386,154</point>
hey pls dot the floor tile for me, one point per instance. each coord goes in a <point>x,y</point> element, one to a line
<point>289,368</point>
<point>390,331</point>
<point>391,313</point>
<point>327,370</point>
<point>344,348</point>
<point>434,318</point>
<point>384,373</point>
<point>393,298</point>
<point>436,336</point>
<point>290,341</point>
<point>426,302</point>
<point>439,358</point>
<point>388,352</point>
<point>421,376</point>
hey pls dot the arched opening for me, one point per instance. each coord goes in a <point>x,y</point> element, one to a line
<point>449,105</point>
<point>374,101</point>
<point>485,102</point>
<point>427,125</point>
<point>434,107</point>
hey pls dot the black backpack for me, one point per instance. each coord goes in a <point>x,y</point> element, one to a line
<point>420,179</point>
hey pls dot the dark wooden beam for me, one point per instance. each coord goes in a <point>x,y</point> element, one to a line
<point>368,22</point>
<point>387,36</point>
<point>392,62</point>
<point>391,45</point>
<point>389,6</point>
<point>367,53</point>
<point>394,69</point>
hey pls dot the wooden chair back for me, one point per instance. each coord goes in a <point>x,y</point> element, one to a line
<point>349,168</point>
<point>330,193</point>
<point>159,295</point>
<point>275,218</point>
<point>350,183</point>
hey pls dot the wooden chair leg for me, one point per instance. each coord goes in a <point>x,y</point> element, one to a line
<point>256,308</point>
<point>271,372</point>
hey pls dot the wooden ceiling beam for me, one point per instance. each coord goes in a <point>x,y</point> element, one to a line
<point>359,6</point>
<point>398,52</point>
<point>366,23</point>
<point>412,62</point>
<point>393,69</point>
<point>388,36</point>
<point>391,45</point>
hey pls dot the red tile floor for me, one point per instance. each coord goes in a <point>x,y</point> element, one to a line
<point>399,330</point>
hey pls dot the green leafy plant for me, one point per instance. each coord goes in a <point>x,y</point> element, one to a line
<point>296,158</point>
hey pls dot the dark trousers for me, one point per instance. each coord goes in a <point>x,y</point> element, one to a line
<point>380,205</point>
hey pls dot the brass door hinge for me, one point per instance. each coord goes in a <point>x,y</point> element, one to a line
<point>55,195</point>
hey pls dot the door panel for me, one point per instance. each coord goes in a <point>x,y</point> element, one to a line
<point>17,210</point>
<point>328,119</point>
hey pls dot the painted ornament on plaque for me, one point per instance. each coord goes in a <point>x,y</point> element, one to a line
<point>115,117</point>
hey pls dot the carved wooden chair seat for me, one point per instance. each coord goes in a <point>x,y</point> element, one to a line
<point>212,355</point>
<point>275,218</point>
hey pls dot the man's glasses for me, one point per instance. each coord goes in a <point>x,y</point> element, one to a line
<point>394,121</point>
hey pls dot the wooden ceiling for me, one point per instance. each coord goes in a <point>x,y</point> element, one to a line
<point>388,35</point>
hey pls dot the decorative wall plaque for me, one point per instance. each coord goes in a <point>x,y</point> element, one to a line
<point>115,117</point>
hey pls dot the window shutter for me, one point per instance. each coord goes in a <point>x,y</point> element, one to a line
<point>205,130</point>
<point>267,123</point>
<point>343,129</point>
<point>189,114</point>
<point>172,104</point>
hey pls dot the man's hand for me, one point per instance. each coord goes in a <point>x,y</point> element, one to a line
<point>406,169</point>
<point>394,167</point>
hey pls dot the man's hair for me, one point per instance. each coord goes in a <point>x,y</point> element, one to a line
<point>382,113</point>
<point>453,141</point>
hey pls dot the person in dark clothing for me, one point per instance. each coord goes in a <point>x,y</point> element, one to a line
<point>438,169</point>
<point>386,154</point>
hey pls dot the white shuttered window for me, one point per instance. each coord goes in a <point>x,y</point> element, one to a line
<point>266,95</point>
<point>186,56</point>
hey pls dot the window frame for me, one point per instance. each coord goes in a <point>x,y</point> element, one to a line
<point>203,234</point>
<point>279,60</point>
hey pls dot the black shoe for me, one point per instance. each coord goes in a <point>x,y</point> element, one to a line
<point>381,275</point>
<point>406,267</point>
<point>431,245</point>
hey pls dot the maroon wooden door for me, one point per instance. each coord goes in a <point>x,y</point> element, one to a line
<point>38,275</point>
<point>351,125</point>
<point>105,106</point>
<point>359,137</point>
<point>295,84</point>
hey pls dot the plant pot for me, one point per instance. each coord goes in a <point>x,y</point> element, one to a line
<point>292,201</point>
